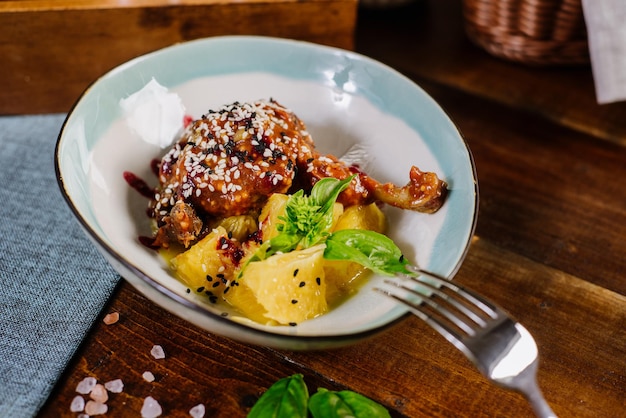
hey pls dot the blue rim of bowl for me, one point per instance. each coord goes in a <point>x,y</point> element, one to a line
<point>270,338</point>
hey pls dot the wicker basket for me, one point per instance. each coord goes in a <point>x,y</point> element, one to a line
<point>535,32</point>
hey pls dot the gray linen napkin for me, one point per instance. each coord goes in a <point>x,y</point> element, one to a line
<point>53,283</point>
<point>606,32</point>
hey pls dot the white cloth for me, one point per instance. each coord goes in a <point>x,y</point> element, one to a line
<point>606,32</point>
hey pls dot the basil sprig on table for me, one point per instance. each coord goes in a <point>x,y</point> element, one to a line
<point>289,398</point>
<point>308,220</point>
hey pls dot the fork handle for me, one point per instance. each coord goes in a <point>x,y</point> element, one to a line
<point>538,402</point>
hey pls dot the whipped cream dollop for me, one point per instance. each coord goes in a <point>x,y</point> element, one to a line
<point>154,113</point>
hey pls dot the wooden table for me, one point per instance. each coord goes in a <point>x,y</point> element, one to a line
<point>550,246</point>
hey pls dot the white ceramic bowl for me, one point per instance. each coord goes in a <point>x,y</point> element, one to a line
<point>344,98</point>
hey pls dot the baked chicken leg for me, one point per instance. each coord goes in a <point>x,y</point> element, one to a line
<point>232,159</point>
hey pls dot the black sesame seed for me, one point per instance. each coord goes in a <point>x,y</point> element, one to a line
<point>200,289</point>
<point>226,290</point>
<point>229,147</point>
<point>188,290</point>
<point>209,278</point>
<point>295,272</point>
<point>293,301</point>
<point>241,154</point>
<point>318,280</point>
<point>293,324</point>
<point>301,284</point>
<point>215,284</point>
<point>259,147</point>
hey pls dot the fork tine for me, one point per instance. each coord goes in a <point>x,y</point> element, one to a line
<point>440,309</point>
<point>438,316</point>
<point>448,298</point>
<point>448,333</point>
<point>470,296</point>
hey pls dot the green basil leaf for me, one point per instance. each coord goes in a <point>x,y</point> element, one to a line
<point>307,219</point>
<point>330,404</point>
<point>370,249</point>
<point>326,191</point>
<point>282,243</point>
<point>287,398</point>
<point>324,194</point>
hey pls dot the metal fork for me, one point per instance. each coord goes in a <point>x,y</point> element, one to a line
<point>501,348</point>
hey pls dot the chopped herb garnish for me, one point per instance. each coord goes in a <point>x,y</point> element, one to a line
<point>308,221</point>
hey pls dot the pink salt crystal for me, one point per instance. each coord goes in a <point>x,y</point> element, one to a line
<point>151,408</point>
<point>85,385</point>
<point>157,352</point>
<point>99,393</point>
<point>148,376</point>
<point>95,408</point>
<point>197,411</point>
<point>115,386</point>
<point>111,318</point>
<point>78,404</point>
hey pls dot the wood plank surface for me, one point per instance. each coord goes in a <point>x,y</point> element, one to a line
<point>549,248</point>
<point>410,369</point>
<point>52,51</point>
